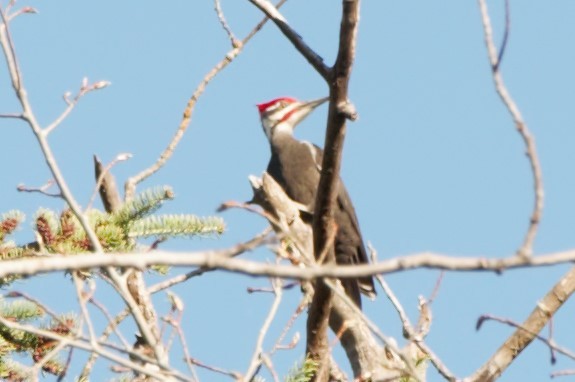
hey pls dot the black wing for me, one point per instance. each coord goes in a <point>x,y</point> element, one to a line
<point>349,245</point>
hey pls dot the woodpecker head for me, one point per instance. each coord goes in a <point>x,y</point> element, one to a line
<point>282,115</point>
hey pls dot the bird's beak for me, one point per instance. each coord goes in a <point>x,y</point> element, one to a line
<point>306,107</point>
<point>315,103</point>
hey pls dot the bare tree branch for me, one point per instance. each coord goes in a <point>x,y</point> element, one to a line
<point>312,57</point>
<point>527,246</point>
<point>222,259</point>
<point>547,341</point>
<point>328,188</point>
<point>218,8</point>
<point>527,332</point>
<point>106,184</point>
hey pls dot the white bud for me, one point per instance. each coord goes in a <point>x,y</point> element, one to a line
<point>101,85</point>
<point>123,157</point>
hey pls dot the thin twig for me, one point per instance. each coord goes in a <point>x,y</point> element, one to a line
<point>218,8</point>
<point>237,250</point>
<point>85,88</point>
<point>258,351</point>
<point>112,327</point>
<point>66,365</point>
<point>408,327</point>
<point>82,298</point>
<point>505,34</point>
<point>267,362</point>
<point>396,305</point>
<point>436,288</point>
<point>45,308</point>
<point>173,319</point>
<point>147,329</point>
<point>176,324</point>
<point>21,11</point>
<point>299,310</point>
<point>248,207</point>
<point>390,295</point>
<point>526,333</point>
<point>562,373</point>
<point>551,350</point>
<point>42,189</point>
<point>131,183</point>
<point>10,54</point>
<point>12,115</point>
<point>39,365</point>
<point>312,57</point>
<point>547,341</point>
<point>234,374</point>
<point>112,322</point>
<point>271,289</point>
<point>9,6</point>
<point>526,248</point>
<point>436,361</point>
<point>189,363</point>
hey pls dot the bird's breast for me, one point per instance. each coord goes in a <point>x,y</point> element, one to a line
<point>293,166</point>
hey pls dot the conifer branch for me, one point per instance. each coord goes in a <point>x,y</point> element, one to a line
<point>176,225</point>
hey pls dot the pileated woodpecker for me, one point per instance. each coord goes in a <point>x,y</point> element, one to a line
<point>296,166</point>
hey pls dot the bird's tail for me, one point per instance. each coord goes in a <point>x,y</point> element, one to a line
<point>366,286</point>
<point>352,289</point>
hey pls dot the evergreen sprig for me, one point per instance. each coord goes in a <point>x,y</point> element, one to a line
<point>143,205</point>
<point>13,371</point>
<point>176,225</point>
<point>20,341</point>
<point>303,372</point>
<point>20,310</point>
<point>116,231</point>
<point>9,221</point>
<point>63,233</point>
<point>10,251</point>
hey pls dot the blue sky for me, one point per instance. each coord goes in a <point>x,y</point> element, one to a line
<point>433,163</point>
